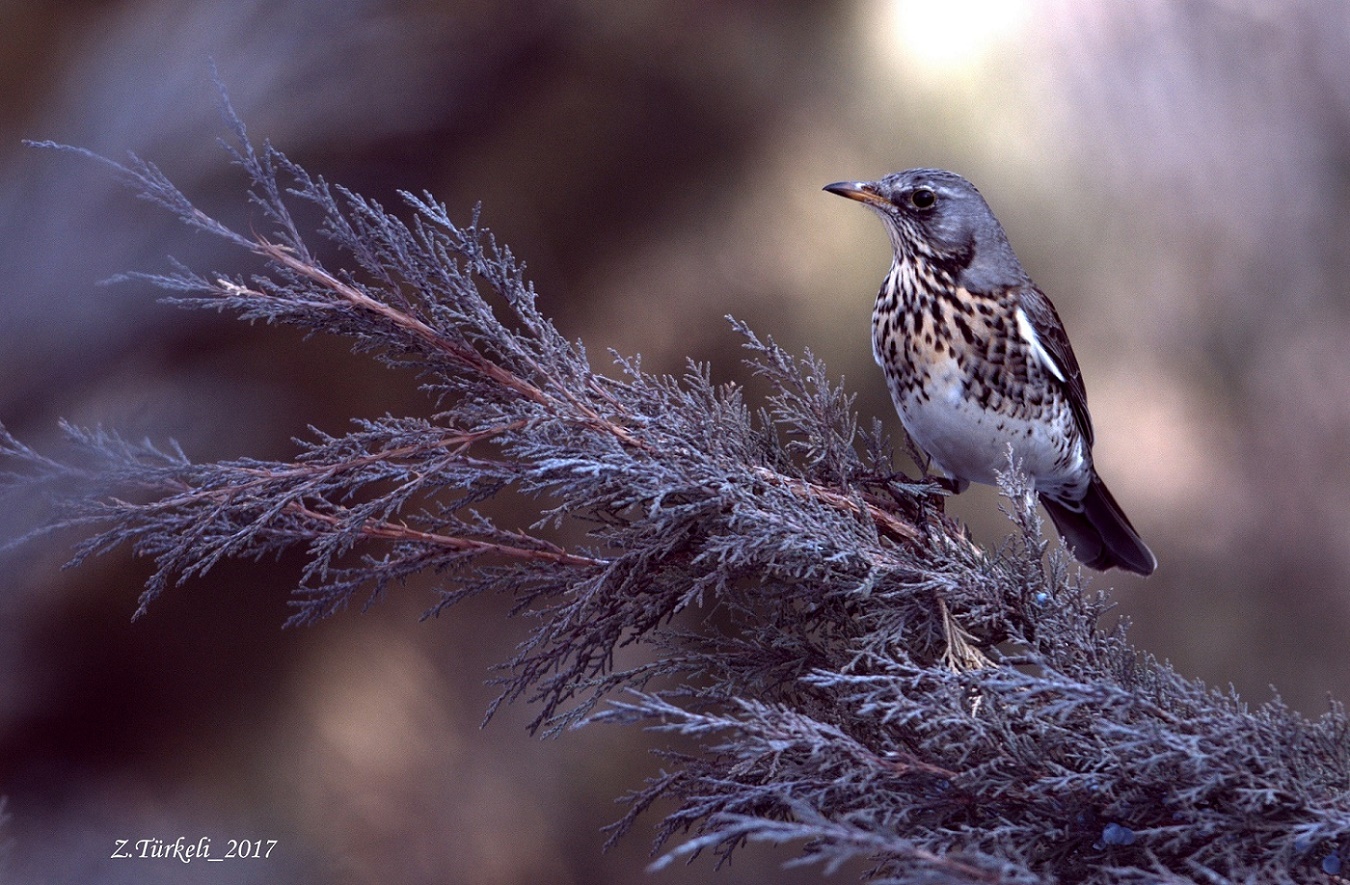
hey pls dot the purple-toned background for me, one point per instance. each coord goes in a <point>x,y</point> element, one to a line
<point>1176,175</point>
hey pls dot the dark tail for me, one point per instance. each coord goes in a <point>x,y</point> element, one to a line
<point>1098,532</point>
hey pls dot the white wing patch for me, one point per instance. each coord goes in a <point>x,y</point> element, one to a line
<point>1037,349</point>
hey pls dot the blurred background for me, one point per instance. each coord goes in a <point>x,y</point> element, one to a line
<point>1174,173</point>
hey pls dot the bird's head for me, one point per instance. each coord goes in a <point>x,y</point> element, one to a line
<point>938,215</point>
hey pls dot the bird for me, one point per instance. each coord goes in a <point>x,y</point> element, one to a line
<point>979,365</point>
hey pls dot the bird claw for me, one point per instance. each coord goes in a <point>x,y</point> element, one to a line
<point>939,489</point>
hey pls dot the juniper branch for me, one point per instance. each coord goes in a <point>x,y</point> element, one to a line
<point>800,600</point>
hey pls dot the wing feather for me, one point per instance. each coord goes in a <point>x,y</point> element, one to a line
<point>1051,344</point>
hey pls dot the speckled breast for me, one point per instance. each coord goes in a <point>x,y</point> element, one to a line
<point>966,387</point>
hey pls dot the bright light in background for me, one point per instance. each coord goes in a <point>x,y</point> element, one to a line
<point>937,38</point>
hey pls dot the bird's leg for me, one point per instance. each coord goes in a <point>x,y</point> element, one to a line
<point>942,485</point>
<point>936,498</point>
<point>945,485</point>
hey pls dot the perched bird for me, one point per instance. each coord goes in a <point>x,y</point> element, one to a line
<point>978,361</point>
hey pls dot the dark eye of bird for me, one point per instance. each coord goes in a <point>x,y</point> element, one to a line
<point>922,198</point>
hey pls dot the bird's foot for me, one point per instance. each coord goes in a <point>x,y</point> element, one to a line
<point>939,489</point>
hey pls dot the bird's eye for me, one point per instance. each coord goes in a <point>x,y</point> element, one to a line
<point>922,198</point>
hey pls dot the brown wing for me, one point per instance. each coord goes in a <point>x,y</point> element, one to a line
<point>1054,340</point>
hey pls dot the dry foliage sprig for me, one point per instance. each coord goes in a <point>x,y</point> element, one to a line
<point>801,601</point>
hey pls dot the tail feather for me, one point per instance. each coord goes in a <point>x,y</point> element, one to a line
<point>1098,532</point>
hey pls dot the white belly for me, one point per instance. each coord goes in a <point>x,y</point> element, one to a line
<point>970,443</point>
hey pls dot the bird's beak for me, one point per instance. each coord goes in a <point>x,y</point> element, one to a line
<point>862,191</point>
